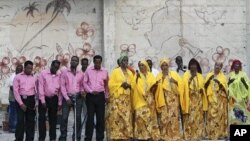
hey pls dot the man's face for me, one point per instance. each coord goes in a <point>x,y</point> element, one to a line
<point>74,62</point>
<point>237,67</point>
<point>84,64</point>
<point>19,69</point>
<point>97,63</point>
<point>178,61</point>
<point>28,69</point>
<point>54,68</point>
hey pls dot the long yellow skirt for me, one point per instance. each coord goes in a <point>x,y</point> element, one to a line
<point>146,124</point>
<point>217,117</point>
<point>169,118</point>
<point>119,118</point>
<point>194,121</point>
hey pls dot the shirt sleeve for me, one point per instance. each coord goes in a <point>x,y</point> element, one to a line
<point>16,86</point>
<point>85,83</point>
<point>63,86</point>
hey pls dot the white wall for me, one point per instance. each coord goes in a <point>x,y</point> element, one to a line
<point>209,30</point>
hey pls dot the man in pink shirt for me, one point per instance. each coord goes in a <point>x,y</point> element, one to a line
<point>96,85</point>
<point>71,88</point>
<point>24,91</point>
<point>49,100</point>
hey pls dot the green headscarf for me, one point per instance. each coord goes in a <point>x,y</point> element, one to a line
<point>123,55</point>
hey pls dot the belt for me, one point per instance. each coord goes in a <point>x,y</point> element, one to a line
<point>27,96</point>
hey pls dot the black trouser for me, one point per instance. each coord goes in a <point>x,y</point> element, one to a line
<point>26,120</point>
<point>95,105</point>
<point>65,115</point>
<point>51,107</point>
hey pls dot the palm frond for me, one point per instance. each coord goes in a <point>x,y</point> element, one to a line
<point>36,9</point>
<point>49,5</point>
<point>67,6</point>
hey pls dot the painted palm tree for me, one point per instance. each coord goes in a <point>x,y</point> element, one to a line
<point>59,6</point>
<point>31,8</point>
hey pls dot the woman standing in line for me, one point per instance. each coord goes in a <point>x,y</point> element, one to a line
<point>119,113</point>
<point>193,102</point>
<point>216,90</point>
<point>169,89</point>
<point>239,95</point>
<point>144,87</point>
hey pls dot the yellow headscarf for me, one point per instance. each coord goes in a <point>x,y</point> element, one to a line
<point>165,60</point>
<point>145,63</point>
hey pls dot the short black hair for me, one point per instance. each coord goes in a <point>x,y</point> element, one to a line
<point>97,57</point>
<point>149,60</point>
<point>75,57</point>
<point>85,59</point>
<point>55,62</point>
<point>28,63</point>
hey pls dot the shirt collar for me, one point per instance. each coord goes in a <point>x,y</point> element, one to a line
<point>93,68</point>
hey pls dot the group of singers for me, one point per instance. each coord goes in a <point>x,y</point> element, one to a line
<point>170,105</point>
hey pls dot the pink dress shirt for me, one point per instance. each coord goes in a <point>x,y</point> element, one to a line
<point>71,84</point>
<point>96,80</point>
<point>49,85</point>
<point>24,85</point>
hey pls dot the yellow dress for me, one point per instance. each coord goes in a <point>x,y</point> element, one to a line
<point>193,104</point>
<point>217,113</point>
<point>119,109</point>
<point>145,126</point>
<point>167,104</point>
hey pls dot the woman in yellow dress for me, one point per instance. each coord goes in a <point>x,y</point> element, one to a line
<point>193,102</point>
<point>217,114</point>
<point>239,95</point>
<point>169,89</point>
<point>144,86</point>
<point>119,111</point>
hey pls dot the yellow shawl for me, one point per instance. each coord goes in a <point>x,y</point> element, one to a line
<point>141,88</point>
<point>237,89</point>
<point>185,99</point>
<point>213,86</point>
<point>116,79</point>
<point>165,85</point>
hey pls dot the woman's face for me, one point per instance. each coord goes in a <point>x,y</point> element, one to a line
<point>124,62</point>
<point>193,68</point>
<point>142,68</point>
<point>164,67</point>
<point>237,67</point>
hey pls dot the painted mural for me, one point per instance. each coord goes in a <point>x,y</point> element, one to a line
<point>168,28</point>
<point>44,30</point>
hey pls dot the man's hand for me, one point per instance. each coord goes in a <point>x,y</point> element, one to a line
<point>69,102</point>
<point>124,85</point>
<point>230,81</point>
<point>23,107</point>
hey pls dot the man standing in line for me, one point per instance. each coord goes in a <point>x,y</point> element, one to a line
<point>71,88</point>
<point>49,100</point>
<point>96,86</point>
<point>24,91</point>
<point>12,101</point>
